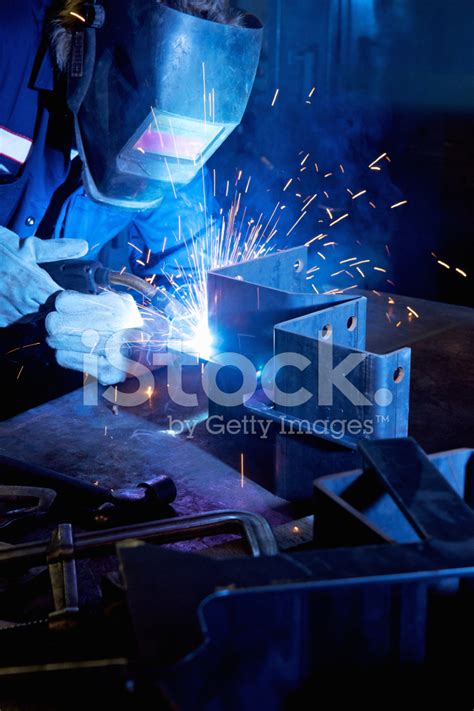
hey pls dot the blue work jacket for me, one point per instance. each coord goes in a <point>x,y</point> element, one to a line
<point>36,140</point>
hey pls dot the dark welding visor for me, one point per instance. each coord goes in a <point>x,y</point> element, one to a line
<point>154,93</point>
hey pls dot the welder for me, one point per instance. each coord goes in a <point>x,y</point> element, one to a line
<point>143,92</point>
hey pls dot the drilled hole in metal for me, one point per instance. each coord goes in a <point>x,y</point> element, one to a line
<point>352,323</point>
<point>398,375</point>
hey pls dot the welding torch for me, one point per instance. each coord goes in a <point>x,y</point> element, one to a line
<point>91,277</point>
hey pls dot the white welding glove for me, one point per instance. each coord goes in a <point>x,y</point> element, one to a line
<point>24,286</point>
<point>89,333</point>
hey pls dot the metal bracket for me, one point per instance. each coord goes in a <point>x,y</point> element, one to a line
<point>264,308</point>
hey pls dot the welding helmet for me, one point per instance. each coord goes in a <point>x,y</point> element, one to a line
<point>154,93</point>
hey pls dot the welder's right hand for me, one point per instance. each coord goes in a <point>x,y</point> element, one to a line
<point>95,334</point>
<point>25,286</point>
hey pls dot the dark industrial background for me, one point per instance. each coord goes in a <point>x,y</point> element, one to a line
<point>393,76</point>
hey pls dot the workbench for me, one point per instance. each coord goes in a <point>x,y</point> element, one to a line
<point>117,446</point>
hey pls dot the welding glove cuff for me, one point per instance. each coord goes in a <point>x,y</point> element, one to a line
<point>25,286</point>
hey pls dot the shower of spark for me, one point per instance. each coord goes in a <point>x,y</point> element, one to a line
<point>181,320</point>
<point>232,239</point>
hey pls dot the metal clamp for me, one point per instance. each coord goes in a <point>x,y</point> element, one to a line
<point>255,528</point>
<point>63,575</point>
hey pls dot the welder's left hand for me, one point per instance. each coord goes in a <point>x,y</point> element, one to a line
<point>90,333</point>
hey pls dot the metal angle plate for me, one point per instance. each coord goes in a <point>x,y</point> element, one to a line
<point>246,300</point>
<point>266,308</point>
<point>375,401</point>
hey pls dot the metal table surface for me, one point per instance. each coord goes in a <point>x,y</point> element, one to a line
<point>127,446</point>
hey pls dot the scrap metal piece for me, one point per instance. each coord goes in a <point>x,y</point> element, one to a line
<point>401,496</point>
<point>427,500</point>
<point>247,300</point>
<point>324,614</point>
<point>263,309</point>
<point>63,575</point>
<point>357,508</point>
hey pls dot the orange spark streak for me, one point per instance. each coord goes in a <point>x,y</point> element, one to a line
<point>309,203</point>
<point>377,160</point>
<point>205,90</point>
<point>171,179</point>
<point>318,237</point>
<point>296,223</point>
<point>79,17</point>
<point>399,204</point>
<point>31,345</point>
<point>343,217</point>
